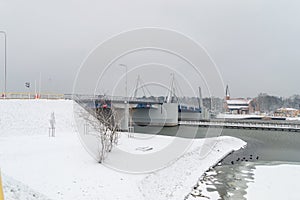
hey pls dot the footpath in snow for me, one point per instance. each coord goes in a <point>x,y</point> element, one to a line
<point>43,167</point>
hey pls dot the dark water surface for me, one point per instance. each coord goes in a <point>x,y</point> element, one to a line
<point>230,179</point>
<point>267,145</point>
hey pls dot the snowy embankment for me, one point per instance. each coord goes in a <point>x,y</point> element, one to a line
<point>60,168</point>
<point>15,190</point>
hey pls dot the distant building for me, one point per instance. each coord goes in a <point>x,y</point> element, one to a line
<point>287,112</point>
<point>237,105</point>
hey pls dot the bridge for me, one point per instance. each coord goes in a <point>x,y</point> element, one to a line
<point>118,99</point>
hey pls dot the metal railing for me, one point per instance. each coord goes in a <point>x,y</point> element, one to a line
<point>117,98</point>
<point>30,95</point>
<point>273,125</point>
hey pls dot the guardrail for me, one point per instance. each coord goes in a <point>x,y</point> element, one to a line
<point>245,125</point>
<point>117,98</point>
<point>30,95</point>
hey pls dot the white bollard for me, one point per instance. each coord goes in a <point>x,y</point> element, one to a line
<point>52,125</point>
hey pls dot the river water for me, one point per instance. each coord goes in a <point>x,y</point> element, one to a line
<point>235,176</point>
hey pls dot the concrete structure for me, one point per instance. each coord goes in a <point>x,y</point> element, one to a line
<point>162,115</point>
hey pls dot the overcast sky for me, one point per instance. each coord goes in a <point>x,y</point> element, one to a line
<point>255,43</point>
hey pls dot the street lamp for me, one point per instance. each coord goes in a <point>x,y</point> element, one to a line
<point>5,61</point>
<point>126,109</point>
<point>126,68</point>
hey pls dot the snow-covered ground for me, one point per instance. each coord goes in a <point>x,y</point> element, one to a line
<point>275,182</point>
<point>293,118</point>
<point>16,190</point>
<point>237,116</point>
<point>36,166</point>
<point>248,116</point>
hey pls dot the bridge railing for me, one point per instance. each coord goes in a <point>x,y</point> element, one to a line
<point>295,125</point>
<point>117,98</point>
<point>31,95</point>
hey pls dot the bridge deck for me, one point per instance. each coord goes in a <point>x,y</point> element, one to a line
<point>117,99</point>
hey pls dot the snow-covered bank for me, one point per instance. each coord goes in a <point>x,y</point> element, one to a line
<point>60,168</point>
<point>16,190</point>
<point>177,180</point>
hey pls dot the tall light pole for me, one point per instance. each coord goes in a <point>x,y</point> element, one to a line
<point>126,68</point>
<point>5,60</point>
<point>126,109</point>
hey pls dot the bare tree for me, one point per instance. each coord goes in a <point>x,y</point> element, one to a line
<point>103,120</point>
<point>107,130</point>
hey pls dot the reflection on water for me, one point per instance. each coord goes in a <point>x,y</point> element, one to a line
<point>229,182</point>
<point>237,179</point>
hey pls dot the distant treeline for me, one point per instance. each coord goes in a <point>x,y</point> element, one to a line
<point>268,103</point>
<point>263,102</point>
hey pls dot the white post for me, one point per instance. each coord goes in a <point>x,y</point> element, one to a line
<point>52,125</point>
<point>126,116</point>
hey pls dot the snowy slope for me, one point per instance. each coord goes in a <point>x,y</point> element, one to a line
<point>31,117</point>
<point>16,190</point>
<point>60,168</point>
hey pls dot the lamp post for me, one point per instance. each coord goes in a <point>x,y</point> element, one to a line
<point>126,111</point>
<point>5,61</point>
<point>126,68</point>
